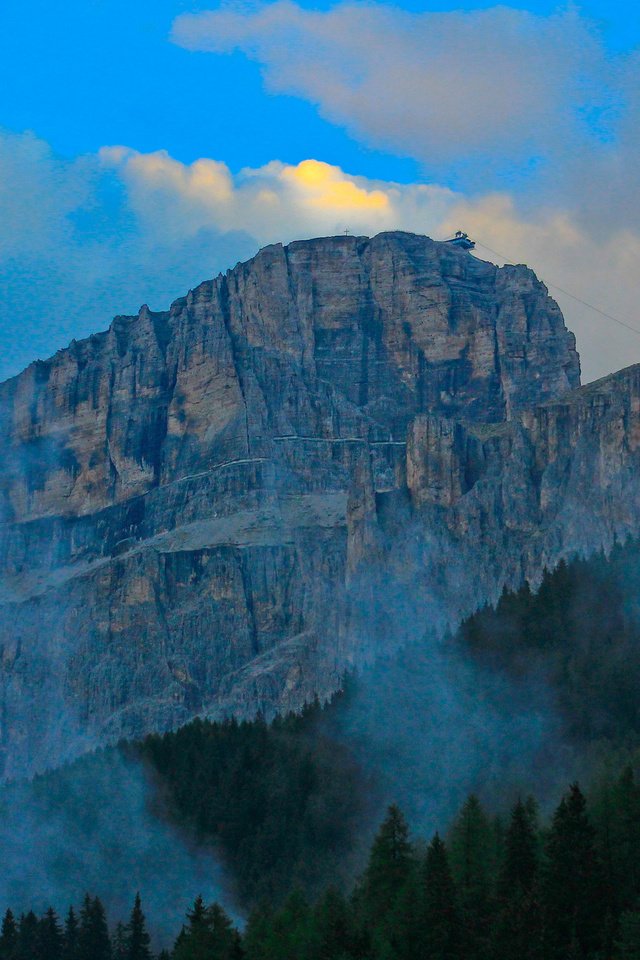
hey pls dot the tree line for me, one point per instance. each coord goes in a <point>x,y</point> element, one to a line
<point>284,803</point>
<point>580,630</point>
<point>84,935</point>
<point>489,890</point>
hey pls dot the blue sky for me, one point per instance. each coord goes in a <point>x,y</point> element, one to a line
<point>90,231</point>
<point>103,72</point>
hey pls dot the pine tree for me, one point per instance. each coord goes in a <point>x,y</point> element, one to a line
<point>137,938</point>
<point>440,918</point>
<point>384,889</point>
<point>391,863</point>
<point>50,937</point>
<point>517,931</point>
<point>27,936</point>
<point>71,933</point>
<point>572,889</point>
<point>93,935</point>
<point>8,937</point>
<point>473,855</point>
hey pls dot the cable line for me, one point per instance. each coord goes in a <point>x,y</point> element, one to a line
<point>603,313</point>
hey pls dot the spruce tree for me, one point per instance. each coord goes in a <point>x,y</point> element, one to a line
<point>27,936</point>
<point>8,937</point>
<point>391,863</point>
<point>119,947</point>
<point>517,930</point>
<point>50,937</point>
<point>137,939</point>
<point>384,889</point>
<point>400,936</point>
<point>225,940</point>
<point>572,888</point>
<point>616,818</point>
<point>71,933</point>
<point>293,931</point>
<point>84,926</point>
<point>257,933</point>
<point>473,855</point>
<point>193,942</point>
<point>178,948</point>
<point>440,917</point>
<point>209,935</point>
<point>628,943</point>
<point>334,925</point>
<point>519,868</point>
<point>93,936</point>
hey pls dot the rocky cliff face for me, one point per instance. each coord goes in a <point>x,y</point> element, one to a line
<point>489,505</point>
<point>216,508</point>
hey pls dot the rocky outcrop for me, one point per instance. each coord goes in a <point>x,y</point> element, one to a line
<point>489,505</point>
<point>216,508</point>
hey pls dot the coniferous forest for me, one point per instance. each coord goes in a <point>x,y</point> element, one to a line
<point>292,808</point>
<point>505,889</point>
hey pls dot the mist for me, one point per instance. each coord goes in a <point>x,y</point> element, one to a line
<point>427,720</point>
<point>431,727</point>
<point>98,826</point>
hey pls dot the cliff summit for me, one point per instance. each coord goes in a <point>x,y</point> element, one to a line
<point>215,509</point>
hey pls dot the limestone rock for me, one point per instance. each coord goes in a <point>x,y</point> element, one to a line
<point>215,508</point>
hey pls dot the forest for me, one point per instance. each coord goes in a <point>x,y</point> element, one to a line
<point>284,802</point>
<point>294,803</point>
<point>491,889</point>
<point>291,808</point>
<point>580,633</point>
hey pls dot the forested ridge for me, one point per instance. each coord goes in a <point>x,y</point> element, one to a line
<point>579,632</point>
<point>291,806</point>
<point>284,801</point>
<point>492,889</point>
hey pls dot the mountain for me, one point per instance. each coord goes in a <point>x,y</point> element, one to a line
<point>340,445</point>
<point>250,812</point>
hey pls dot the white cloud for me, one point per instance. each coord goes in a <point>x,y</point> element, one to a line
<point>102,234</point>
<point>77,251</point>
<point>276,202</point>
<point>500,85</point>
<point>36,190</point>
<point>496,98</point>
<point>490,97</point>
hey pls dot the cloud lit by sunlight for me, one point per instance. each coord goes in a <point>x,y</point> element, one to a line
<point>430,85</point>
<point>323,185</point>
<point>169,225</point>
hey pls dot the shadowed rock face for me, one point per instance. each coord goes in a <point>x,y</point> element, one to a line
<point>215,509</point>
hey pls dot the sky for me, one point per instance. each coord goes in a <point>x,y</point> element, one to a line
<point>148,145</point>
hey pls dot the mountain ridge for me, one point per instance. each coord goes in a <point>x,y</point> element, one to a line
<point>198,506</point>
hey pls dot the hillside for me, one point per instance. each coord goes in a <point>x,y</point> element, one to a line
<point>520,701</point>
